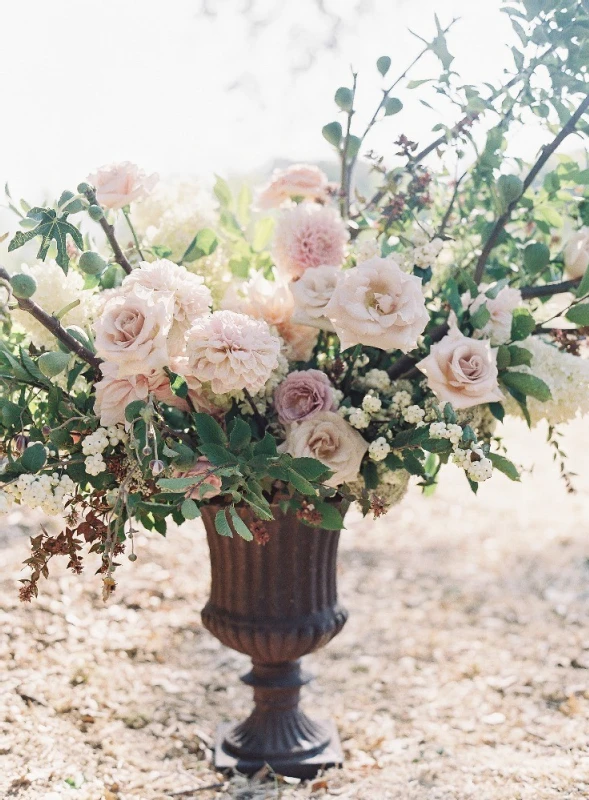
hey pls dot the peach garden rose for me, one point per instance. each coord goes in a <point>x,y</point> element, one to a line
<point>301,181</point>
<point>118,185</point>
<point>576,253</point>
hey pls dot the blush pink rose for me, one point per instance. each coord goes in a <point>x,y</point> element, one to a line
<point>307,236</point>
<point>132,331</point>
<point>576,253</point>
<point>202,467</point>
<point>462,371</point>
<point>330,439</point>
<point>302,395</point>
<point>118,185</point>
<point>297,181</point>
<point>501,308</point>
<point>113,393</point>
<point>231,352</point>
<point>312,292</point>
<point>379,305</point>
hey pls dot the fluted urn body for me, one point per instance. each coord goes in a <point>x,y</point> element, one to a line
<point>276,603</point>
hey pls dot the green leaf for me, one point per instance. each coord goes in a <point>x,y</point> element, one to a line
<point>332,132</point>
<point>413,465</point>
<point>504,465</point>
<point>133,410</point>
<point>301,484</point>
<point>369,472</point>
<point>263,230</point>
<point>267,446</point>
<point>34,457</point>
<point>178,484</point>
<point>217,454</point>
<point>223,192</point>
<point>503,357</point>
<point>209,430</point>
<point>527,384</point>
<point>259,504</point>
<point>392,105</point>
<point>584,285</point>
<point>579,314</point>
<point>240,434</point>
<point>354,144</point>
<point>519,356</point>
<point>309,468</point>
<point>222,525</point>
<point>510,188</point>
<point>240,527</point>
<point>244,201</point>
<point>383,64</point>
<point>178,385</point>
<point>480,317</point>
<point>522,324</point>
<point>344,98</point>
<point>204,243</point>
<point>413,436</point>
<point>393,462</point>
<point>437,445</point>
<point>50,228</point>
<point>497,411</point>
<point>189,509</point>
<point>331,518</point>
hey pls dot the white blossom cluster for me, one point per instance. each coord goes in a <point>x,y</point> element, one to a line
<point>360,418</point>
<point>96,443</point>
<point>379,449</point>
<point>377,379</point>
<point>48,492</point>
<point>471,459</point>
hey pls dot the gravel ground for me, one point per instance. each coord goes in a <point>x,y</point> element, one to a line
<point>463,672</point>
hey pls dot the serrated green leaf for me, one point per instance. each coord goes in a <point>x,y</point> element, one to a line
<point>240,527</point>
<point>480,317</point>
<point>503,357</point>
<point>222,525</point>
<point>267,446</point>
<point>504,465</point>
<point>189,509</point>
<point>217,454</point>
<point>331,518</point>
<point>240,434</point>
<point>309,468</point>
<point>209,430</point>
<point>519,356</point>
<point>51,227</point>
<point>301,484</point>
<point>528,385</point>
<point>522,324</point>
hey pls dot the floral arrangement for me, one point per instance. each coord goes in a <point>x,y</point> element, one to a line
<point>313,345</point>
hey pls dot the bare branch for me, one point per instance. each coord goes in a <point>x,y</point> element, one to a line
<point>109,232</point>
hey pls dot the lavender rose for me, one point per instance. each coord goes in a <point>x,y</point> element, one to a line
<point>302,395</point>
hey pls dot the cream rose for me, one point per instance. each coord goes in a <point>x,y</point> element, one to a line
<point>132,331</point>
<point>113,393</point>
<point>501,308</point>
<point>330,439</point>
<point>312,292</point>
<point>379,305</point>
<point>576,253</point>
<point>462,371</point>
<point>117,185</point>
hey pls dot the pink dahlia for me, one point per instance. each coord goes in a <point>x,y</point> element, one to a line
<point>231,352</point>
<point>297,181</point>
<point>308,236</point>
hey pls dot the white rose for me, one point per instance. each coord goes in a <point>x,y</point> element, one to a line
<point>378,305</point>
<point>132,331</point>
<point>117,185</point>
<point>312,292</point>
<point>576,253</point>
<point>330,439</point>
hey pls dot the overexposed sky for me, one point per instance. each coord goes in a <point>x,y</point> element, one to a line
<point>179,89</point>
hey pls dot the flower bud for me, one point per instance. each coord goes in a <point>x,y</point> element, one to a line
<point>146,450</point>
<point>92,263</point>
<point>23,286</point>
<point>20,443</point>
<point>46,430</point>
<point>132,557</point>
<point>51,364</point>
<point>157,467</point>
<point>96,213</point>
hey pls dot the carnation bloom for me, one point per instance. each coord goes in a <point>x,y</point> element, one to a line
<point>231,351</point>
<point>132,331</point>
<point>114,393</point>
<point>297,181</point>
<point>379,305</point>
<point>462,371</point>
<point>55,290</point>
<point>501,308</point>
<point>117,185</point>
<point>312,292</point>
<point>307,236</point>
<point>163,278</point>
<point>204,468</point>
<point>330,439</point>
<point>273,302</point>
<point>576,253</point>
<point>302,395</point>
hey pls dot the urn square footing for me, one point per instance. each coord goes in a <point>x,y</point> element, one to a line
<point>298,766</point>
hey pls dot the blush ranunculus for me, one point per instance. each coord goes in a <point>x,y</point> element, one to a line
<point>462,371</point>
<point>329,438</point>
<point>113,393</point>
<point>307,236</point>
<point>302,395</point>
<point>501,308</point>
<point>297,181</point>
<point>132,331</point>
<point>118,185</point>
<point>202,467</point>
<point>379,305</point>
<point>232,352</point>
<point>312,292</point>
<point>576,253</point>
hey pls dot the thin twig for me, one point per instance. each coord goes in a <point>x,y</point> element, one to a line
<point>109,232</point>
<point>545,154</point>
<point>257,416</point>
<point>54,326</point>
<point>548,289</point>
<point>133,232</point>
<point>446,217</point>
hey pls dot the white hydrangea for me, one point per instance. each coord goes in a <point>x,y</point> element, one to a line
<point>401,399</point>
<point>379,449</point>
<point>48,492</point>
<point>371,404</point>
<point>377,379</point>
<point>358,419</point>
<point>55,291</point>
<point>365,249</point>
<point>567,377</point>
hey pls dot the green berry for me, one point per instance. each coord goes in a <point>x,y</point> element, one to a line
<point>78,334</point>
<point>92,263</point>
<point>510,188</point>
<point>96,213</point>
<point>536,256</point>
<point>23,286</point>
<point>51,364</point>
<point>84,187</point>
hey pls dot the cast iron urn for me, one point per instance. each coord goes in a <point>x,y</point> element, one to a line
<point>275,603</point>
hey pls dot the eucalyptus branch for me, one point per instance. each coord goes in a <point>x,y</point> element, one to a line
<point>346,172</point>
<point>109,232</point>
<point>545,154</point>
<point>54,326</point>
